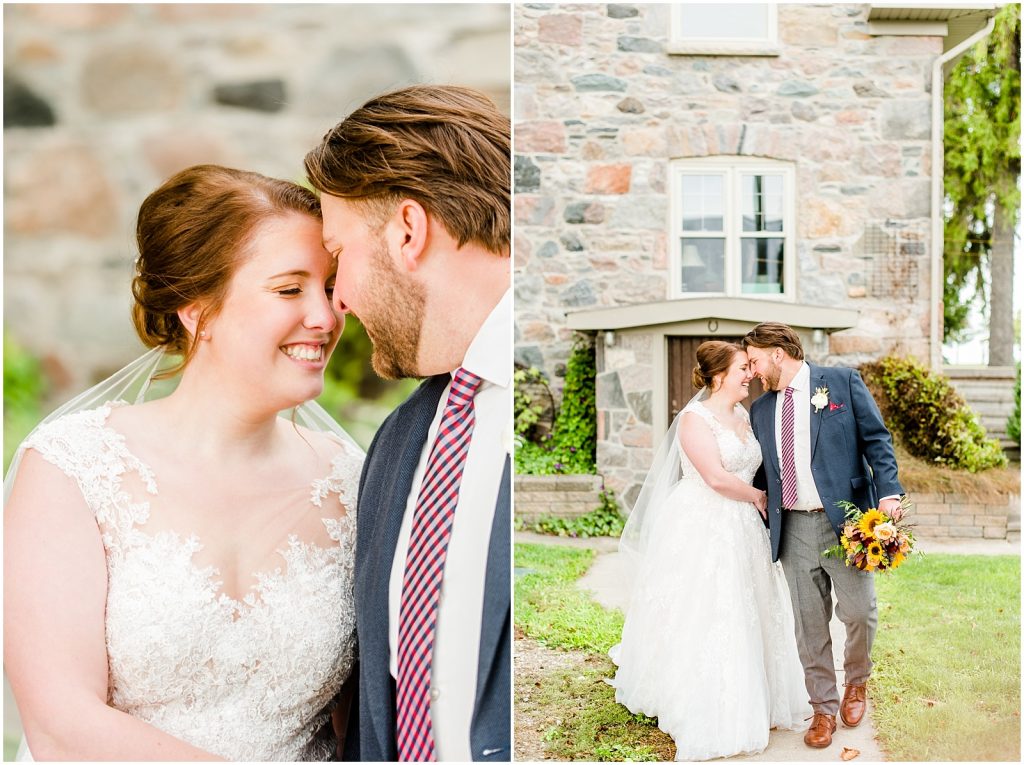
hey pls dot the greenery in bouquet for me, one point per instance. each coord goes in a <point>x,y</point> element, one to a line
<point>872,540</point>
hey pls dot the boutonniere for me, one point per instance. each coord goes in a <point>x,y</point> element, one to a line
<point>820,399</point>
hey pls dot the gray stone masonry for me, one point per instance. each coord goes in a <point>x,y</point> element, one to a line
<point>562,496</point>
<point>989,391</point>
<point>939,516</point>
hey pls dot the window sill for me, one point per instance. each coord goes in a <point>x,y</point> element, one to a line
<point>711,48</point>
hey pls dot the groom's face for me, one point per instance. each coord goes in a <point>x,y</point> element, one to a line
<point>372,285</point>
<point>763,365</point>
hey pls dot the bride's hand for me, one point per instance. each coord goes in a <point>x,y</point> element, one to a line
<point>761,503</point>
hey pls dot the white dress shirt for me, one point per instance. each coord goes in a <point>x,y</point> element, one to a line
<point>806,491</point>
<point>457,639</point>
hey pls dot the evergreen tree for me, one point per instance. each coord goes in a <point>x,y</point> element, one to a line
<point>982,170</point>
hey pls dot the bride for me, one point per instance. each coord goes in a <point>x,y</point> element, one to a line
<point>708,645</point>
<point>178,570</point>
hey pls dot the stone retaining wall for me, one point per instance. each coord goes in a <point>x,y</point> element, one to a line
<point>564,496</point>
<point>935,516</point>
<point>962,517</point>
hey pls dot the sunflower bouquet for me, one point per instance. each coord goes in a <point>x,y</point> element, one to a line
<point>873,541</point>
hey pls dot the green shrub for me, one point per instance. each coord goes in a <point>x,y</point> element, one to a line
<point>605,521</point>
<point>24,389</point>
<point>572,445</point>
<point>1013,424</point>
<point>929,417</point>
<point>528,409</point>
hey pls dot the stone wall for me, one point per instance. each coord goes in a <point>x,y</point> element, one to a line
<point>103,102</point>
<point>625,431</point>
<point>989,392</point>
<point>601,109</point>
<point>958,516</point>
<point>562,496</point>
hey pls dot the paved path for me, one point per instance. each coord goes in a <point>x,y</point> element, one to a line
<point>605,578</point>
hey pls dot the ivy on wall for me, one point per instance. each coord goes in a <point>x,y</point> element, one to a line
<point>571,446</point>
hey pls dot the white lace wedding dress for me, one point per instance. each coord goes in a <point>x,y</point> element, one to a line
<point>245,680</point>
<point>708,645</point>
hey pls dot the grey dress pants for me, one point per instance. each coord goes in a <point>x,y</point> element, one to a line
<point>811,579</point>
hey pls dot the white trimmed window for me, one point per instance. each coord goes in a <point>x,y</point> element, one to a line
<point>725,29</point>
<point>733,222</point>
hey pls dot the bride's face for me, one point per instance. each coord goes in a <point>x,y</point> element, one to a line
<point>276,328</point>
<point>735,382</point>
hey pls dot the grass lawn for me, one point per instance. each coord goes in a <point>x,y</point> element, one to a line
<point>946,683</point>
<point>551,609</point>
<point>586,723</point>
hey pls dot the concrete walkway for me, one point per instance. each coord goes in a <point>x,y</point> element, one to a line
<point>604,581</point>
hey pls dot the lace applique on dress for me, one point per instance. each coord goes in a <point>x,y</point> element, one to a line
<point>245,680</point>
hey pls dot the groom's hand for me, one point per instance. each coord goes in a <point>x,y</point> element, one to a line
<point>887,506</point>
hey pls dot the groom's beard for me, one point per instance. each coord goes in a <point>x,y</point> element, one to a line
<point>771,376</point>
<point>393,318</point>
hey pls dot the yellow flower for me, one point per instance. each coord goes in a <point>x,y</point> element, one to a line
<point>875,551</point>
<point>897,559</point>
<point>869,520</point>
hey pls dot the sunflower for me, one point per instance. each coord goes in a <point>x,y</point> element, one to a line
<point>897,559</point>
<point>869,520</point>
<point>875,550</point>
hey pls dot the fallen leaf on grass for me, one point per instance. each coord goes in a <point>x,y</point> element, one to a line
<point>929,702</point>
<point>848,754</point>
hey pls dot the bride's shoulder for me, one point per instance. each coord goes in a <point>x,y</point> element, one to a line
<point>70,429</point>
<point>696,409</point>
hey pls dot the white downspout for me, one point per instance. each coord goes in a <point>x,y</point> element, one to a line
<point>938,188</point>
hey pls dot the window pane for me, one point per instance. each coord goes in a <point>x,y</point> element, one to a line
<point>762,265</point>
<point>701,21</point>
<point>762,202</point>
<point>703,208</point>
<point>702,266</point>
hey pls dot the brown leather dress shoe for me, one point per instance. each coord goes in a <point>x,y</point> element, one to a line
<point>819,735</point>
<point>855,703</point>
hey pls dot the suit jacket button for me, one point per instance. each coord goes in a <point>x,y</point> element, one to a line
<point>435,694</point>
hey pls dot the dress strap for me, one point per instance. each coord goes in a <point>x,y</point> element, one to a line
<point>705,414</point>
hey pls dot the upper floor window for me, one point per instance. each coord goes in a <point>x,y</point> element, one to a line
<point>732,227</point>
<point>725,29</point>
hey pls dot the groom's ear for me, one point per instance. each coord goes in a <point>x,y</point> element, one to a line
<point>411,225</point>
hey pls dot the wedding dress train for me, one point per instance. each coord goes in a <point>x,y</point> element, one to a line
<point>708,645</point>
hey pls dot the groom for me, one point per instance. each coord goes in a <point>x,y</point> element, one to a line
<point>416,205</point>
<point>822,441</point>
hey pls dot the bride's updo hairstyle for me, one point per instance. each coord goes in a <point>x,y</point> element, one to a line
<point>713,358</point>
<point>192,233</point>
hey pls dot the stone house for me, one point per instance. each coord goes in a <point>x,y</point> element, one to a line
<point>685,171</point>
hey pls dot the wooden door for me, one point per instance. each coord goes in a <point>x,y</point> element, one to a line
<point>682,358</point>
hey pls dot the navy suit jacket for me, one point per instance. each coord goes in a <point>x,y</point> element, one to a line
<point>383,492</point>
<point>851,450</point>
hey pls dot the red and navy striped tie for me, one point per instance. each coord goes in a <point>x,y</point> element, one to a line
<point>789,495</point>
<point>424,568</point>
